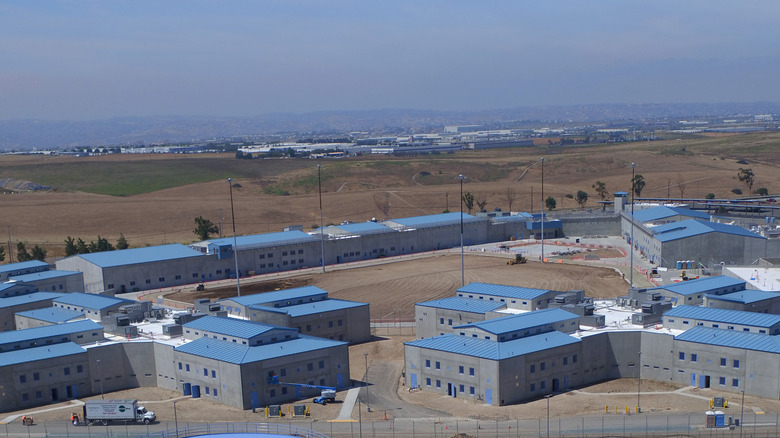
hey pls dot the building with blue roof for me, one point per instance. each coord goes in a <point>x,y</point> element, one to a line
<point>22,268</point>
<point>662,214</point>
<point>11,305</point>
<point>12,289</point>
<point>308,309</point>
<point>686,317</point>
<point>94,307</point>
<point>748,300</point>
<point>439,317</point>
<point>692,292</point>
<point>515,297</point>
<point>53,280</point>
<point>47,316</point>
<point>521,325</point>
<point>80,332</point>
<point>237,331</point>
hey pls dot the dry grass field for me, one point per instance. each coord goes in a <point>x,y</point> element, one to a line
<point>171,190</point>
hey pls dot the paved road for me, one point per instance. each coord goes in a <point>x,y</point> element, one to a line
<point>382,392</point>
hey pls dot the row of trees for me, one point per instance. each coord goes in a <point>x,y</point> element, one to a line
<point>78,246</point>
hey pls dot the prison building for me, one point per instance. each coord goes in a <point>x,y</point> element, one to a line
<point>521,325</point>
<point>14,288</point>
<point>79,332</point>
<point>239,306</point>
<point>515,297</point>
<point>747,300</point>
<point>10,306</point>
<point>439,317</point>
<point>692,292</point>
<point>94,307</point>
<point>687,317</point>
<point>231,362</point>
<point>22,268</point>
<point>53,281</point>
<point>46,316</point>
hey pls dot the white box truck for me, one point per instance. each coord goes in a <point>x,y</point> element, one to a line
<point>108,411</point>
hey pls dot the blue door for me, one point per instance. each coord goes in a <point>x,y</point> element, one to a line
<point>339,380</point>
<point>414,380</point>
<point>565,382</point>
<point>253,398</point>
<point>693,379</point>
<point>489,396</point>
<point>701,382</point>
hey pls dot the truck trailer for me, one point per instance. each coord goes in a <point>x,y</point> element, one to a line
<point>109,411</point>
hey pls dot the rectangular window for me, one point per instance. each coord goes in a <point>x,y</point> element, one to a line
<point>205,372</point>
<point>565,360</point>
<point>213,374</point>
<point>207,390</point>
<point>272,393</point>
<point>36,376</point>
<point>427,381</point>
<point>67,371</point>
<point>735,383</point>
<point>427,363</point>
<point>79,368</point>
<point>574,359</point>
<point>215,392</point>
<point>471,390</point>
<point>438,383</point>
<point>322,364</point>
<point>722,380</point>
<point>462,388</point>
<point>460,369</point>
<point>438,365</point>
<point>161,279</point>
<point>542,384</point>
<point>736,363</point>
<point>533,368</point>
<point>542,366</point>
<point>694,357</point>
<point>723,361</point>
<point>471,371</point>
<point>309,366</point>
<point>449,322</point>
<point>682,356</point>
<point>22,378</point>
<point>441,321</point>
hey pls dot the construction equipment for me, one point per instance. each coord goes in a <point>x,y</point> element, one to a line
<point>518,260</point>
<point>328,393</point>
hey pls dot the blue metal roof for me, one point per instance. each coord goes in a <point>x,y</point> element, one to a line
<point>694,227</point>
<point>493,350</point>
<point>314,308</point>
<point>48,331</point>
<point>279,295</point>
<point>280,238</point>
<point>240,354</point>
<point>11,267</point>
<point>233,327</point>
<point>661,212</point>
<point>28,298</point>
<point>521,321</point>
<point>44,275</point>
<point>500,290</point>
<point>364,228</point>
<point>703,285</point>
<point>731,338</point>
<point>108,259</point>
<point>40,353</point>
<point>435,220</point>
<point>91,301</point>
<point>54,315</point>
<point>745,296</point>
<point>725,316</point>
<point>464,304</point>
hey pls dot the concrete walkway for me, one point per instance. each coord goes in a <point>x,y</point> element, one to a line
<point>348,405</point>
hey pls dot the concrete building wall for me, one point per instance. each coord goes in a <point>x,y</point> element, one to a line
<point>432,321</point>
<point>68,283</point>
<point>92,274</point>
<point>765,306</point>
<point>275,317</point>
<point>7,314</point>
<point>351,325</point>
<point>213,374</point>
<point>608,225</point>
<point>678,323</point>
<point>42,382</point>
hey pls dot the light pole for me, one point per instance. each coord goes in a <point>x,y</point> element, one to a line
<point>631,248</point>
<point>638,383</point>
<point>360,420</point>
<point>175,418</point>
<point>368,402</point>
<point>235,245</point>
<point>548,396</point>
<point>543,202</point>
<point>742,414</point>
<point>100,374</point>
<point>322,232</point>
<point>462,270</point>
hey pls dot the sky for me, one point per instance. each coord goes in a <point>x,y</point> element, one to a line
<point>86,60</point>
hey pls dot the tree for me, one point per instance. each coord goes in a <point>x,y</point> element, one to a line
<point>70,247</point>
<point>747,177</point>
<point>601,189</point>
<point>81,247</point>
<point>762,191</point>
<point>550,203</point>
<point>121,243</point>
<point>2,253</point>
<point>38,253</point>
<point>637,184</point>
<point>582,198</point>
<point>481,203</point>
<point>468,201</point>
<point>204,228</point>
<point>21,252</point>
<point>509,196</point>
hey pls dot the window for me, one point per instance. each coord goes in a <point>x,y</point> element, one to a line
<point>449,322</point>
<point>310,367</point>
<point>25,396</point>
<point>438,365</point>
<point>213,374</point>
<point>161,279</point>
<point>22,378</point>
<point>735,383</point>
<point>471,390</point>
<point>471,371</point>
<point>460,370</point>
<point>462,388</point>
<point>533,387</point>
<point>215,391</point>
<point>438,383</point>
<point>427,381</point>
<point>541,366</point>
<point>533,368</point>
<point>565,360</point>
<point>322,364</point>
<point>736,363</point>
<point>723,361</point>
<point>682,356</point>
<point>205,372</point>
<point>79,368</point>
<point>694,357</point>
<point>574,358</point>
<point>207,390</point>
<point>722,380</point>
<point>441,321</point>
<point>340,323</point>
<point>542,384</point>
<point>427,363</point>
<point>67,371</point>
<point>36,376</point>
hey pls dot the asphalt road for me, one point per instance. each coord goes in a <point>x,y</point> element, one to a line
<point>383,377</point>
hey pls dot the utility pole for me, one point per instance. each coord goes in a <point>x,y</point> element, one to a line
<point>10,252</point>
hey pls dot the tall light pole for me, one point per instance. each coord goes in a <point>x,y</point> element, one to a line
<point>638,383</point>
<point>548,396</point>
<point>631,248</point>
<point>462,269</point>
<point>100,374</point>
<point>368,400</point>
<point>322,232</point>
<point>175,418</point>
<point>235,245</point>
<point>742,414</point>
<point>543,202</point>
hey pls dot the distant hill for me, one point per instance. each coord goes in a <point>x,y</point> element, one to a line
<point>20,135</point>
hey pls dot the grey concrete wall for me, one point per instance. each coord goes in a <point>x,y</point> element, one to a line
<point>429,320</point>
<point>53,382</point>
<point>608,225</point>
<point>349,325</point>
<point>7,314</point>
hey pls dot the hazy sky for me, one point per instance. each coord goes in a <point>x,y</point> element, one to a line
<point>80,59</point>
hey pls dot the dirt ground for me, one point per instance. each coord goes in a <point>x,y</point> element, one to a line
<point>392,288</point>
